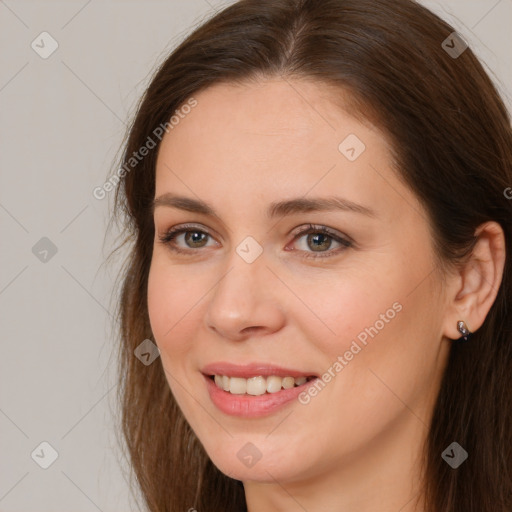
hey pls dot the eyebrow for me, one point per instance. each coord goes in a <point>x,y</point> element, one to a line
<point>276,209</point>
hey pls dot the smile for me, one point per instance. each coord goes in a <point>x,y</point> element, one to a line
<point>254,390</point>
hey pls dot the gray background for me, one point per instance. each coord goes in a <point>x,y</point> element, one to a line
<point>63,119</point>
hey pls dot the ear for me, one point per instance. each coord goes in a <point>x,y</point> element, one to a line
<point>476,284</point>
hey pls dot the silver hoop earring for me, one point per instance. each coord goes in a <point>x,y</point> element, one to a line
<point>463,329</point>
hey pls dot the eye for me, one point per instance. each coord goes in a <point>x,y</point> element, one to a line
<point>193,237</point>
<point>319,240</point>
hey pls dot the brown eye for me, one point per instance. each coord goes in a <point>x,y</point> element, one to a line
<point>186,239</point>
<point>319,241</point>
<point>195,238</point>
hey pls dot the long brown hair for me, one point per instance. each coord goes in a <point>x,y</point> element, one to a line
<point>452,145</point>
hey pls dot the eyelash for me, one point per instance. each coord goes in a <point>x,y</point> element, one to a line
<point>172,233</point>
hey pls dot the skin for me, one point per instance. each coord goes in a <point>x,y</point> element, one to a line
<point>356,446</point>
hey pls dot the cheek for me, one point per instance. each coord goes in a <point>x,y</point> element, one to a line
<point>350,306</point>
<point>173,300</point>
<point>374,296</point>
<point>377,334</point>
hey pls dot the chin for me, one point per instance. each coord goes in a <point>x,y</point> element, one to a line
<point>261,461</point>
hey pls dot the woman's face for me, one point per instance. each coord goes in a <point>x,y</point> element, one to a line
<point>258,293</point>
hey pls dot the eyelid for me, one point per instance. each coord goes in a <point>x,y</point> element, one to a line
<point>305,228</point>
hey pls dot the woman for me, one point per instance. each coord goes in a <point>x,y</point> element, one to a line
<point>315,193</point>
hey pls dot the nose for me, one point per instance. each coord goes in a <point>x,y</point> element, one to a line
<point>245,302</point>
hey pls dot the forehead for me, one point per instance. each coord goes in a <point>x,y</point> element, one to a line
<point>260,122</point>
<point>268,140</point>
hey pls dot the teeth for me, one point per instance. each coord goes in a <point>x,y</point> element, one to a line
<point>288,382</point>
<point>237,386</point>
<point>257,385</point>
<point>274,384</point>
<point>300,380</point>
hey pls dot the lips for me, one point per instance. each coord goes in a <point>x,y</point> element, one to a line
<point>255,389</point>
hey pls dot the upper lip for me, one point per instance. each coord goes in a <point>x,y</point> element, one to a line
<point>252,370</point>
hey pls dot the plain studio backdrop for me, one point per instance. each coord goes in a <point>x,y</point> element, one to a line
<point>71,72</point>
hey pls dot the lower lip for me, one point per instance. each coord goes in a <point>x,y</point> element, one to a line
<point>249,406</point>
